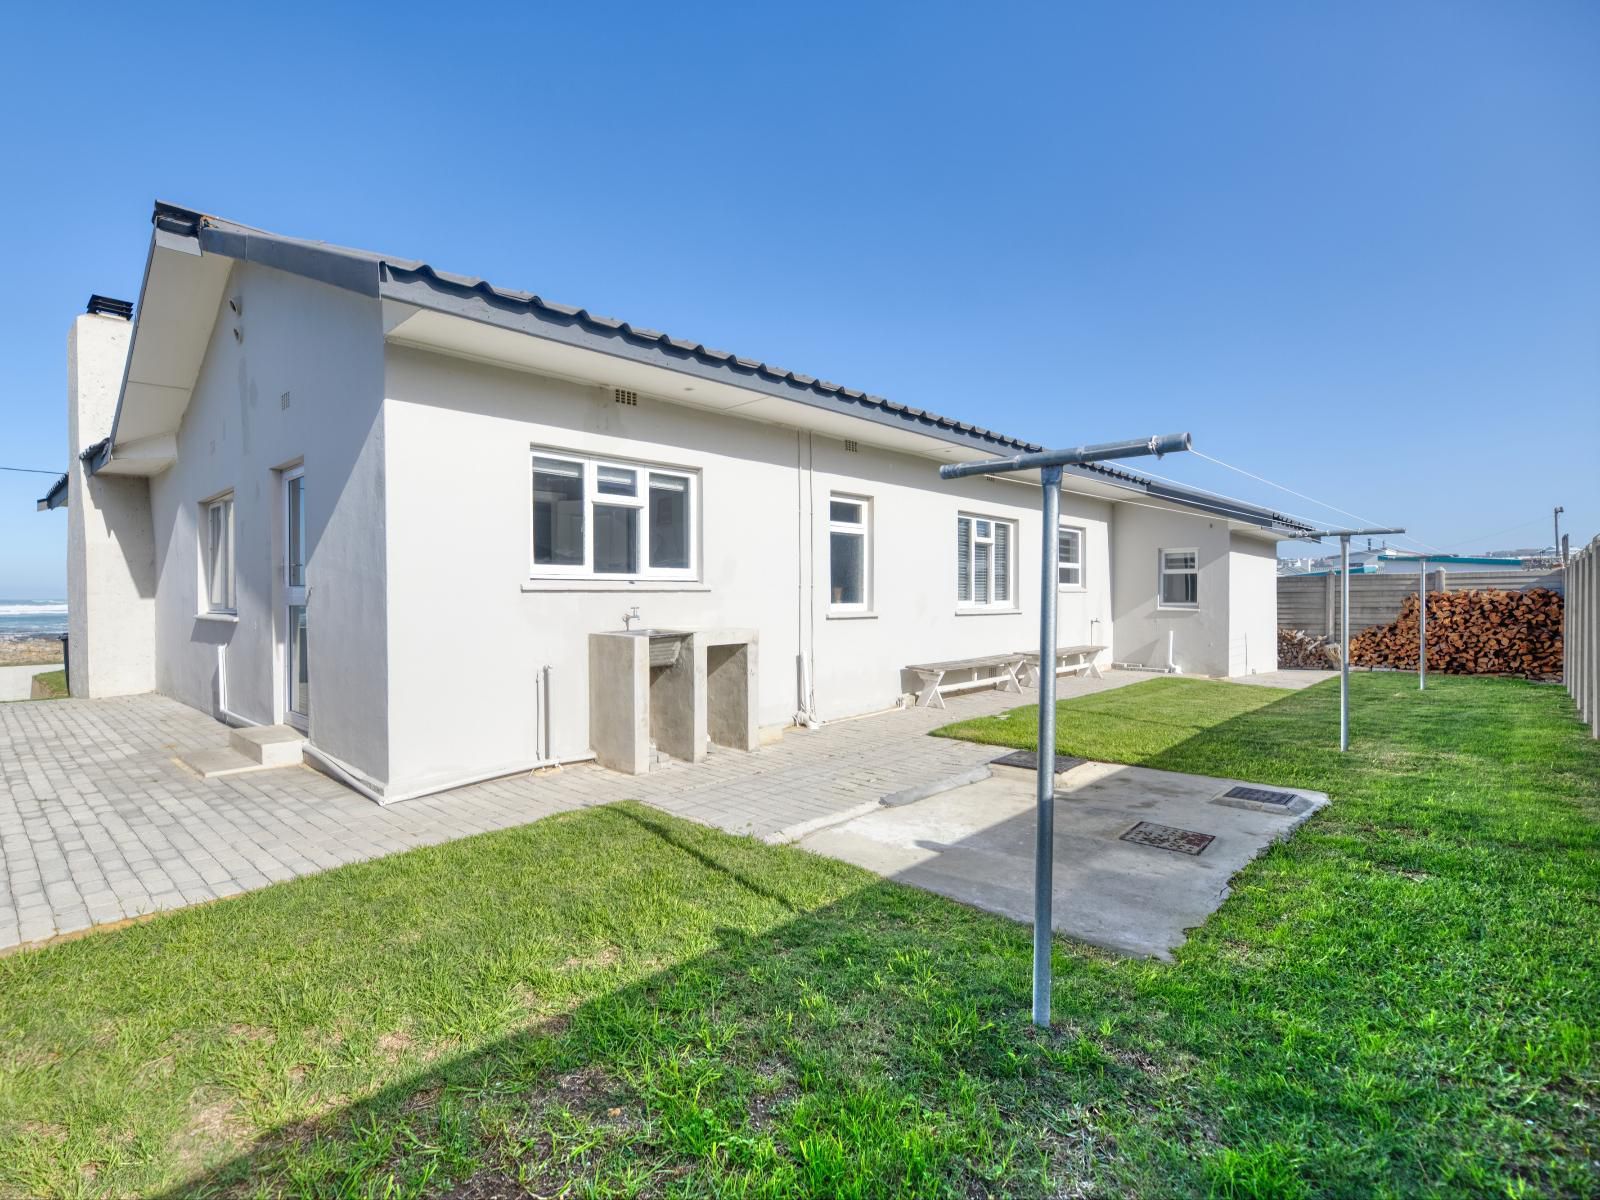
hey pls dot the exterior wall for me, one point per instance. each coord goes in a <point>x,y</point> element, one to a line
<point>322,349</point>
<point>469,632</point>
<point>111,578</point>
<point>1252,605</point>
<point>1201,635</point>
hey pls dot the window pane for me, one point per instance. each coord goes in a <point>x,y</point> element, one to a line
<point>1180,588</point>
<point>669,521</point>
<point>963,560</point>
<point>849,571</point>
<point>1002,563</point>
<point>225,554</point>
<point>983,529</point>
<point>297,531</point>
<point>1179,560</point>
<point>847,511</point>
<point>616,481</point>
<point>1069,544</point>
<point>616,540</point>
<point>557,512</point>
<point>299,673</point>
<point>214,580</point>
<point>980,573</point>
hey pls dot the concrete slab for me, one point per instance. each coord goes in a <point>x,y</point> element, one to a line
<point>975,844</point>
<point>1293,680</point>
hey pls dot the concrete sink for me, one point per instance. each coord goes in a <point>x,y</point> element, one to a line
<point>665,644</point>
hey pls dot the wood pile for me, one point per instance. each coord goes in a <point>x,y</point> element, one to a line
<point>1471,633</point>
<point>1302,651</point>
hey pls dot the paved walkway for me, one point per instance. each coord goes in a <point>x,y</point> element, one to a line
<point>100,823</point>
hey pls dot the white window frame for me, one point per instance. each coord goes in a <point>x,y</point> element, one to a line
<point>1062,582</point>
<point>224,502</point>
<point>974,539</point>
<point>1162,571</point>
<point>592,495</point>
<point>863,530</point>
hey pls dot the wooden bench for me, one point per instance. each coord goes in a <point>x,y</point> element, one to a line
<point>1073,659</point>
<point>932,686</point>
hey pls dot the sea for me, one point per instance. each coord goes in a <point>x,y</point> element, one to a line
<point>32,618</point>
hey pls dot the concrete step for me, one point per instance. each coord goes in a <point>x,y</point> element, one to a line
<point>269,745</point>
<point>218,761</point>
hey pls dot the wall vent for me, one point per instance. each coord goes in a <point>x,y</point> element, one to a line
<point>105,306</point>
<point>625,396</point>
<point>850,446</point>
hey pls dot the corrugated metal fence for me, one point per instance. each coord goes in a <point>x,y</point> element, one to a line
<point>1580,635</point>
<point>1311,602</point>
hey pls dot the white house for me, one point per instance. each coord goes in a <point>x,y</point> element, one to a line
<point>390,505</point>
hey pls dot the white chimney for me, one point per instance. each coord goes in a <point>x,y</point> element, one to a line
<point>111,564</point>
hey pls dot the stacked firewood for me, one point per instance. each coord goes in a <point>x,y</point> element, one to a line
<point>1302,651</point>
<point>1471,633</point>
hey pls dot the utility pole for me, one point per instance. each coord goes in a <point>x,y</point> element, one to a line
<point>1559,554</point>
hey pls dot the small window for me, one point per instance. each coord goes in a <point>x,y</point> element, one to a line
<point>1069,549</point>
<point>849,535</point>
<point>614,520</point>
<point>1180,579</point>
<point>219,555</point>
<point>984,562</point>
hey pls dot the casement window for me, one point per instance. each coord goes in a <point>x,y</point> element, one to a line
<point>217,531</point>
<point>610,519</point>
<point>984,562</point>
<point>1180,579</point>
<point>1069,552</point>
<point>849,554</point>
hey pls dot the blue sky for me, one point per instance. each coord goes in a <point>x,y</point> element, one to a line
<point>1353,247</point>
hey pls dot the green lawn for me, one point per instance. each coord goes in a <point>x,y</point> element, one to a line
<point>55,683</point>
<point>1400,1001</point>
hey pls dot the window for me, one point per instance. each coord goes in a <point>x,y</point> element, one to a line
<point>219,554</point>
<point>1069,549</point>
<point>611,520</point>
<point>984,562</point>
<point>848,533</point>
<point>1180,579</point>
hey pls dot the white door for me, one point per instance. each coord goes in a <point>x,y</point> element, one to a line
<point>297,683</point>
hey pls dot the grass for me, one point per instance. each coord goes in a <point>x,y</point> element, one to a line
<point>1399,1002</point>
<point>54,682</point>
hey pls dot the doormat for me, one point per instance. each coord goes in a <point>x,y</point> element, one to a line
<point>1168,837</point>
<point>1028,760</point>
<point>1261,796</point>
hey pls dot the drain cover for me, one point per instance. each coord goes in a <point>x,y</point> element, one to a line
<point>1168,837</point>
<point>1028,760</point>
<point>1260,796</point>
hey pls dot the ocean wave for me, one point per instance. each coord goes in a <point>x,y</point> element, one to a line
<point>33,608</point>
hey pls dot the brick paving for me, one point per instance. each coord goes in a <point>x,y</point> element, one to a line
<point>100,823</point>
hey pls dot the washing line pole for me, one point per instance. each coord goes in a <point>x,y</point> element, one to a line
<point>1344,536</point>
<point>1049,464</point>
<point>1422,624</point>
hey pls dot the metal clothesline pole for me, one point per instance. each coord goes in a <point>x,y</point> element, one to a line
<point>1049,464</point>
<point>1344,536</point>
<point>1422,625</point>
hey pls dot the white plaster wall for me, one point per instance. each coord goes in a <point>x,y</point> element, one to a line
<point>111,577</point>
<point>1253,605</point>
<point>468,631</point>
<point>858,660</point>
<point>323,347</point>
<point>1201,638</point>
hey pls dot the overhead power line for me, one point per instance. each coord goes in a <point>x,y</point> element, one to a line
<point>31,470</point>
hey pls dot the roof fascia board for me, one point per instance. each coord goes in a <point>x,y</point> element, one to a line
<point>102,450</point>
<point>485,306</point>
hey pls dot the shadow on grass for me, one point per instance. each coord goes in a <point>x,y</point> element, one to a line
<point>877,1045</point>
